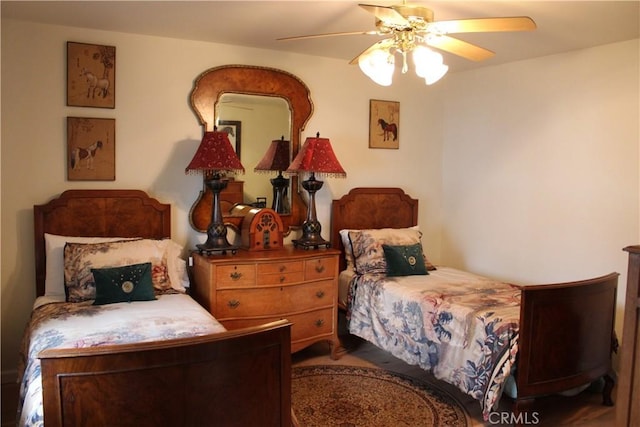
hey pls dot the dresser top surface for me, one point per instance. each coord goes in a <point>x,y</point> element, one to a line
<point>288,251</point>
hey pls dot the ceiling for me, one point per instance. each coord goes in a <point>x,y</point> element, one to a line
<point>562,25</point>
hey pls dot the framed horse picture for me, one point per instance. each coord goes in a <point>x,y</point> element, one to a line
<point>91,149</point>
<point>91,75</point>
<point>384,124</point>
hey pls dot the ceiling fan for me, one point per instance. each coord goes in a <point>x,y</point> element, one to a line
<point>411,28</point>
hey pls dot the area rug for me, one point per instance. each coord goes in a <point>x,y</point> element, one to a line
<point>348,396</point>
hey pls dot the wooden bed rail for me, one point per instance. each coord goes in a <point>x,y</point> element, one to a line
<point>196,381</point>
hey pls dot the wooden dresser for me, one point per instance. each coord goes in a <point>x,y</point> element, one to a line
<point>628,394</point>
<point>254,287</point>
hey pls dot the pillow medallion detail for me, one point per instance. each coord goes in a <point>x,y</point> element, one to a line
<point>404,260</point>
<point>123,284</point>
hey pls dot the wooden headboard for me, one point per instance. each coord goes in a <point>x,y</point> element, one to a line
<point>98,213</point>
<point>371,207</point>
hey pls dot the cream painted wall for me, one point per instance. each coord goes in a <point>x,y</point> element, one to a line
<point>157,134</point>
<point>527,171</point>
<point>541,167</point>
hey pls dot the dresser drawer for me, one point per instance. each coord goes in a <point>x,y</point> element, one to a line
<point>306,326</point>
<point>309,325</point>
<point>235,275</point>
<point>273,301</point>
<point>280,273</point>
<point>280,267</point>
<point>280,278</point>
<point>320,268</point>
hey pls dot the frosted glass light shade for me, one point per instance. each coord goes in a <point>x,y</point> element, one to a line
<point>378,65</point>
<point>428,64</point>
<point>436,73</point>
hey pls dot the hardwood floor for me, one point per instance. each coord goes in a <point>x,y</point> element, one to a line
<point>584,410</point>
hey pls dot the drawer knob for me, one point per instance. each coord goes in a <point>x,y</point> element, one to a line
<point>283,268</point>
<point>235,275</point>
<point>319,322</point>
<point>234,303</point>
<point>319,268</point>
<point>283,278</point>
<point>320,294</point>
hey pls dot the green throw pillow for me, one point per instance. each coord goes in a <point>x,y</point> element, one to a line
<point>404,260</point>
<point>123,284</point>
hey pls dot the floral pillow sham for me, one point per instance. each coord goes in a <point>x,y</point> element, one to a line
<point>167,268</point>
<point>368,254</point>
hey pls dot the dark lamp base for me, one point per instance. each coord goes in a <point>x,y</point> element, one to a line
<point>217,230</point>
<point>311,243</point>
<point>311,237</point>
<point>311,227</point>
<point>210,250</point>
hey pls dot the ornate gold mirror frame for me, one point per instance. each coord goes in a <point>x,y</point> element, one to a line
<point>250,80</point>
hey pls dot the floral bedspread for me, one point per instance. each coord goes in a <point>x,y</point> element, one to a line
<point>77,325</point>
<point>461,327</point>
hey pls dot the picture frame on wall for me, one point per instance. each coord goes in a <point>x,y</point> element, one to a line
<point>91,75</point>
<point>91,149</point>
<point>384,124</point>
<point>233,128</point>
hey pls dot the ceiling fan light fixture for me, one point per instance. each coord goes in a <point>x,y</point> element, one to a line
<point>429,64</point>
<point>378,64</point>
<point>408,25</point>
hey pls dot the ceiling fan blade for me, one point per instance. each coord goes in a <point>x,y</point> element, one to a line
<point>385,14</point>
<point>479,25</point>
<point>414,11</point>
<point>382,44</point>
<point>459,47</point>
<point>315,36</point>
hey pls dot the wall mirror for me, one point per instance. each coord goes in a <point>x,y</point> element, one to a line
<point>255,105</point>
<point>252,122</point>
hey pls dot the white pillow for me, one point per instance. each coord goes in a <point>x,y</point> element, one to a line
<point>54,252</point>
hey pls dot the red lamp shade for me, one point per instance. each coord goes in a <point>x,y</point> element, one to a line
<point>276,158</point>
<point>317,156</point>
<point>215,154</point>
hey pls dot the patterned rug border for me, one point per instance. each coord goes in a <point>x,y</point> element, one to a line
<point>431,389</point>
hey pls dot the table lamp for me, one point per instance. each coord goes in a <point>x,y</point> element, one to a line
<point>215,156</point>
<point>277,159</point>
<point>315,157</point>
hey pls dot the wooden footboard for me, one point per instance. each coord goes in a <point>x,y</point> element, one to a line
<point>566,337</point>
<point>235,378</point>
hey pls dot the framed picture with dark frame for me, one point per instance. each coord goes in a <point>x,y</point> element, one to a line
<point>384,124</point>
<point>91,75</point>
<point>233,129</point>
<point>91,149</point>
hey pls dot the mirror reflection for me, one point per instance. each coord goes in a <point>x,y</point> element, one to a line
<point>252,123</point>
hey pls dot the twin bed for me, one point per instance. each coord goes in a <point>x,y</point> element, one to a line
<point>160,359</point>
<point>478,334</point>
<point>163,360</point>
